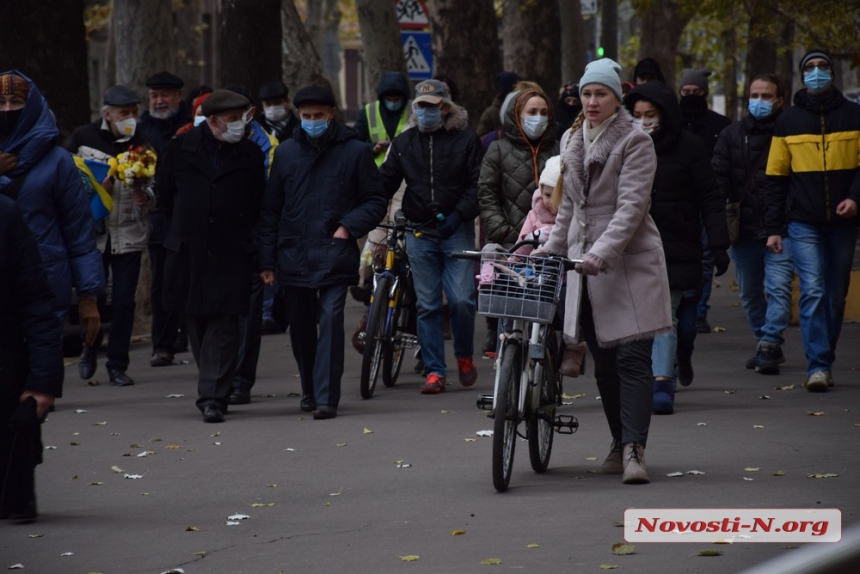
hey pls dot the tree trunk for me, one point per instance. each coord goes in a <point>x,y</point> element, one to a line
<point>251,41</point>
<point>531,34</point>
<point>46,41</point>
<point>729,73</point>
<point>381,45</point>
<point>301,62</point>
<point>189,42</point>
<point>144,41</point>
<point>785,60</point>
<point>466,48</point>
<point>609,29</point>
<point>662,26</point>
<point>573,44</point>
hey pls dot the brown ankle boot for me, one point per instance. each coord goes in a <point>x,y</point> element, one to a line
<point>613,464</point>
<point>573,360</point>
<point>634,464</point>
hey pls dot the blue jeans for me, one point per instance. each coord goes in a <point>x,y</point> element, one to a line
<point>434,269</point>
<point>666,344</point>
<point>823,256</point>
<point>764,279</point>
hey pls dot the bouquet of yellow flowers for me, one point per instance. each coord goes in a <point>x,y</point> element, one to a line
<point>134,168</point>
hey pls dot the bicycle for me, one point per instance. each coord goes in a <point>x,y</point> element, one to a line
<point>527,388</point>
<point>390,322</point>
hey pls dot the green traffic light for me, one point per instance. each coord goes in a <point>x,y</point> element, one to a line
<point>600,52</point>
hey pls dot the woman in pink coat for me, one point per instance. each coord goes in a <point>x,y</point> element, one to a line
<point>618,298</point>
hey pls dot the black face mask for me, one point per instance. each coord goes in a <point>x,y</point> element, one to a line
<point>8,120</point>
<point>693,105</point>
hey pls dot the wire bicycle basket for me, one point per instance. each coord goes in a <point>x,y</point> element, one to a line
<point>524,287</point>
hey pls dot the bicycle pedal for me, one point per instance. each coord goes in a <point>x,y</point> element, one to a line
<point>409,341</point>
<point>565,424</point>
<point>485,402</point>
<point>362,336</point>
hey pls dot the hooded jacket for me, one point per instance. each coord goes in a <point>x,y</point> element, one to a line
<point>648,66</point>
<point>685,194</point>
<point>53,202</point>
<point>539,219</point>
<point>813,162</point>
<point>312,190</point>
<point>389,83</point>
<point>440,168</point>
<point>739,148</point>
<point>510,172</point>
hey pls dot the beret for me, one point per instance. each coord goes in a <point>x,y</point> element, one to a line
<point>314,95</point>
<point>165,80</point>
<point>223,100</point>
<point>120,96</point>
<point>273,91</point>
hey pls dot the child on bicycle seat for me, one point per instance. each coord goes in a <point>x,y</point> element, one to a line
<point>538,224</point>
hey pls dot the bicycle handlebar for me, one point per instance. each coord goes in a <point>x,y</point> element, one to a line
<point>569,264</point>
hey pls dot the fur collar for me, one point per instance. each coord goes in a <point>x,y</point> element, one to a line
<point>599,151</point>
<point>457,119</point>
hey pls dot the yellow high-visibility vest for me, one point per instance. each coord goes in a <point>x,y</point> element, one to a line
<point>377,129</point>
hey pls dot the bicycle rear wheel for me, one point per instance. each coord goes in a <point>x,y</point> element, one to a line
<point>506,415</point>
<point>541,429</point>
<point>374,341</point>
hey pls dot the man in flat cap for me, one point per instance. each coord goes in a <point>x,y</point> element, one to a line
<point>324,193</point>
<point>210,186</point>
<point>44,182</point>
<point>278,117</point>
<point>439,157</point>
<point>123,236</point>
<point>167,113</point>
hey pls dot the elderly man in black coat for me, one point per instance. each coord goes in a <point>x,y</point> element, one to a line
<point>323,193</point>
<point>31,361</point>
<point>210,186</point>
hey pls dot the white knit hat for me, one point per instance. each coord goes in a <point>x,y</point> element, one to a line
<point>605,72</point>
<point>551,171</point>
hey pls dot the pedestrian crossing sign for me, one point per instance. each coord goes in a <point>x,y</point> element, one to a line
<point>418,53</point>
<point>412,14</point>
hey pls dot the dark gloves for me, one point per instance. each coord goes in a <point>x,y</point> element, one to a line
<point>448,226</point>
<point>721,261</point>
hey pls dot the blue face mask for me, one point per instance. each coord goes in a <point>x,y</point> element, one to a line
<point>760,109</point>
<point>314,128</point>
<point>393,106</point>
<point>429,118</point>
<point>817,79</point>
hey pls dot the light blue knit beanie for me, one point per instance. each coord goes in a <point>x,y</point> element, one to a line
<point>605,72</point>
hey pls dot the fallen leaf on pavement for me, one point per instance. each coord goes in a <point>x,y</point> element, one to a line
<point>758,426</point>
<point>821,475</point>
<point>134,476</point>
<point>765,397</point>
<point>18,566</point>
<point>341,444</point>
<point>174,571</point>
<point>50,448</point>
<point>591,458</point>
<point>93,383</point>
<point>96,483</point>
<point>608,566</point>
<point>779,473</point>
<point>816,413</point>
<point>117,469</point>
<point>172,447</point>
<point>533,545</point>
<point>67,554</point>
<point>366,431</point>
<point>701,424</point>
<point>751,469</point>
<point>675,474</point>
<point>213,435</point>
<point>695,472</point>
<point>475,440</point>
<point>192,529</point>
<point>709,553</point>
<point>200,553</point>
<point>490,562</point>
<point>75,443</point>
<point>232,523</point>
<point>730,392</point>
<point>785,388</point>
<point>748,479</point>
<point>444,412</point>
<point>484,433</point>
<point>101,424</point>
<point>80,411</point>
<point>35,535</point>
<point>621,549</point>
<point>572,397</point>
<point>238,517</point>
<point>273,485</point>
<point>719,329</point>
<point>458,532</point>
<point>173,396</point>
<point>409,558</point>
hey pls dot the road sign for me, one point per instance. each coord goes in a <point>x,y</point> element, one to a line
<point>412,14</point>
<point>588,7</point>
<point>418,53</point>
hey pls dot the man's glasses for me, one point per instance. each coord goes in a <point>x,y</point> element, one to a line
<point>824,67</point>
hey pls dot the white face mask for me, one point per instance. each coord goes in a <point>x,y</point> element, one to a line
<point>647,125</point>
<point>234,132</point>
<point>275,113</point>
<point>126,127</point>
<point>199,120</point>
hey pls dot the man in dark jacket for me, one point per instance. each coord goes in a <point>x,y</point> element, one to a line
<point>440,160</point>
<point>381,121</point>
<point>648,70</point>
<point>323,193</point>
<point>52,199</point>
<point>31,361</point>
<point>278,117</point>
<point>210,186</point>
<point>167,113</point>
<point>685,197</point>
<point>764,278</point>
<point>813,185</point>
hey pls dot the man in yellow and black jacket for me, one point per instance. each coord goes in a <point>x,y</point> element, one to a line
<point>813,186</point>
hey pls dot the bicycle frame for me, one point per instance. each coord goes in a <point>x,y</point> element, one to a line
<point>533,354</point>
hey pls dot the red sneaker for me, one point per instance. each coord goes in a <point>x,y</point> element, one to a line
<point>468,372</point>
<point>434,385</point>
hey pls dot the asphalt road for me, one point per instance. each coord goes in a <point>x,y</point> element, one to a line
<point>338,496</point>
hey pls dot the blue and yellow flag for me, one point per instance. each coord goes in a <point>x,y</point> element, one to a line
<point>101,203</point>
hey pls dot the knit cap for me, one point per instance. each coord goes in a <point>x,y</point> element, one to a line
<point>551,171</point>
<point>695,77</point>
<point>816,54</point>
<point>605,72</point>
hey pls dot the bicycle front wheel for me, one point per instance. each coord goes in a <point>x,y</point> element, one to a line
<point>541,427</point>
<point>392,355</point>
<point>374,339</point>
<point>506,415</point>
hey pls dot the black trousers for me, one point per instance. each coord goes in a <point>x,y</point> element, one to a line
<point>250,334</point>
<point>624,380</point>
<point>214,342</point>
<point>165,324</point>
<point>317,337</point>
